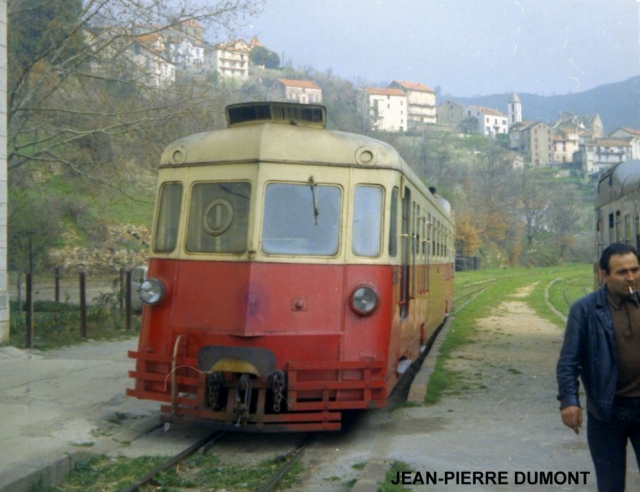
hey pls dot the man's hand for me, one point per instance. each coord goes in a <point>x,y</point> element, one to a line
<point>572,417</point>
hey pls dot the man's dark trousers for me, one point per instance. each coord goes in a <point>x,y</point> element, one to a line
<point>608,443</point>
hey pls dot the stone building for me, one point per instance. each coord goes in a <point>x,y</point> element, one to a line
<point>450,113</point>
<point>534,141</point>
<point>298,91</point>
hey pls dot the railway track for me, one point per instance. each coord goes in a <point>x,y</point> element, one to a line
<point>466,294</point>
<point>203,445</point>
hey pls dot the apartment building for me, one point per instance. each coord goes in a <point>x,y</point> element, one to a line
<point>383,109</point>
<point>149,58</point>
<point>566,142</point>
<point>186,46</point>
<point>600,154</point>
<point>534,141</point>
<point>231,60</point>
<point>632,137</point>
<point>421,103</point>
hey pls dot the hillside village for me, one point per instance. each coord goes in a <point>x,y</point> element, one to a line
<point>167,55</point>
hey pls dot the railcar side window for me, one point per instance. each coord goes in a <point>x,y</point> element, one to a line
<point>218,218</point>
<point>301,219</point>
<point>393,224</point>
<point>367,220</point>
<point>168,218</point>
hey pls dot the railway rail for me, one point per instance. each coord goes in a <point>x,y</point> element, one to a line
<point>466,294</point>
<point>205,444</point>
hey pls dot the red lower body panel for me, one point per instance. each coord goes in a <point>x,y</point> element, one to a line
<point>313,396</point>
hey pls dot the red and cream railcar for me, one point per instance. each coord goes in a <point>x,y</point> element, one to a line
<point>294,272</point>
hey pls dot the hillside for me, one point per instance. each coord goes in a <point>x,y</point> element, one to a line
<point>618,104</point>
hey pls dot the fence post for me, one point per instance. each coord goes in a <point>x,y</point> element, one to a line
<point>121,292</point>
<point>128,300</point>
<point>83,307</point>
<point>29,314</point>
<point>19,293</point>
<point>57,284</point>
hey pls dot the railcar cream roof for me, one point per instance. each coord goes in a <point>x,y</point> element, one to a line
<point>624,178</point>
<point>264,142</point>
<point>306,144</point>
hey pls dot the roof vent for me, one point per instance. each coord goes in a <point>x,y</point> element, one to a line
<point>312,115</point>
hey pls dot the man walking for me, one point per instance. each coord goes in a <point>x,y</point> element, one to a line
<point>602,347</point>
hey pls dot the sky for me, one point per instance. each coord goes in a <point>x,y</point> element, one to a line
<point>463,47</point>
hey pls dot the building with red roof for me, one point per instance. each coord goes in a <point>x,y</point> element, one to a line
<point>421,103</point>
<point>299,91</point>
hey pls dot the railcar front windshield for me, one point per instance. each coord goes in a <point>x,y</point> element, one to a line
<point>301,219</point>
<point>218,217</point>
<point>168,218</point>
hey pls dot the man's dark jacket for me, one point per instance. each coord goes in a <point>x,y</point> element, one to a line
<point>589,351</point>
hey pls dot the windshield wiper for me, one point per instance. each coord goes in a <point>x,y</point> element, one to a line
<point>314,193</point>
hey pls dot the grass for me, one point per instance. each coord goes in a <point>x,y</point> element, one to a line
<point>104,474</point>
<point>392,474</point>
<point>59,324</point>
<point>122,207</point>
<point>570,281</point>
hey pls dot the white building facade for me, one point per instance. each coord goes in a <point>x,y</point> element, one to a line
<point>231,60</point>
<point>148,55</point>
<point>600,154</point>
<point>384,109</point>
<point>514,110</point>
<point>632,137</point>
<point>488,122</point>
<point>421,103</point>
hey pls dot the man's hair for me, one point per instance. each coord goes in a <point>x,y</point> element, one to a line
<point>615,249</point>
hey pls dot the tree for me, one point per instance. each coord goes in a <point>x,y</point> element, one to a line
<point>565,216</point>
<point>272,61</point>
<point>467,237</point>
<point>258,55</point>
<point>72,79</point>
<point>33,226</point>
<point>492,199</point>
<point>533,205</point>
<point>263,57</point>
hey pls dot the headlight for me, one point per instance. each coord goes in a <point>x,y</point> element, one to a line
<point>151,291</point>
<point>364,300</point>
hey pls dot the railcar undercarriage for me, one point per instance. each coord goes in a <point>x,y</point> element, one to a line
<point>308,396</point>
